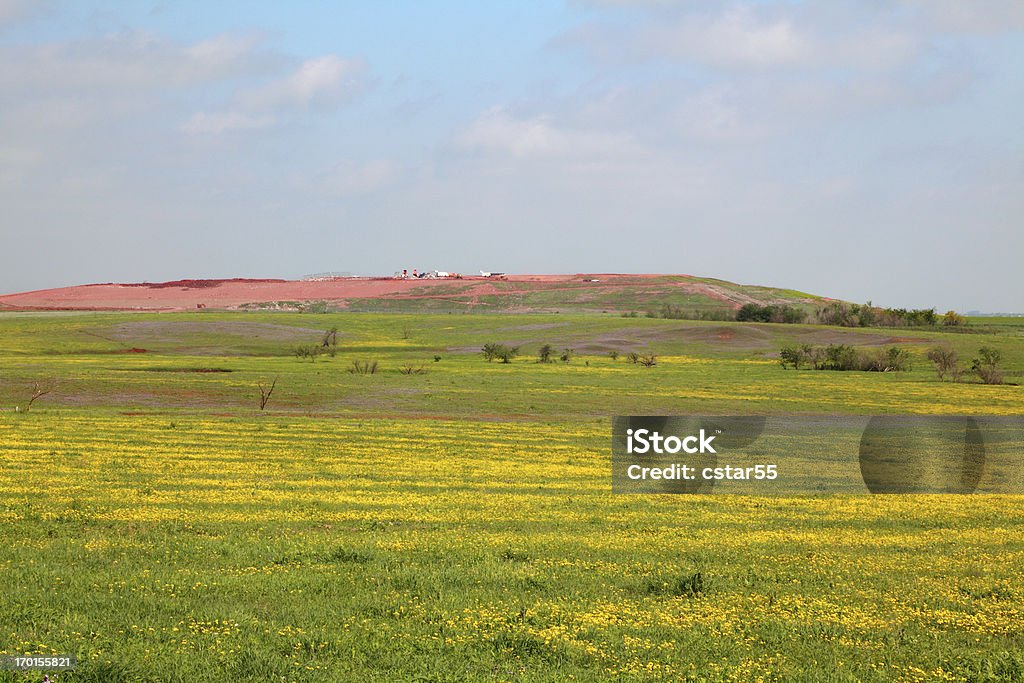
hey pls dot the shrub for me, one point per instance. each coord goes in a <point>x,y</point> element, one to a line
<point>953,319</point>
<point>986,367</point>
<point>544,353</point>
<point>893,359</point>
<point>795,355</point>
<point>363,367</point>
<point>946,362</point>
<point>633,357</point>
<point>672,312</point>
<point>567,355</point>
<point>841,357</point>
<point>648,361</point>
<point>500,352</point>
<point>412,370</point>
<point>614,355</point>
<point>899,359</point>
<point>772,313</point>
<point>309,351</point>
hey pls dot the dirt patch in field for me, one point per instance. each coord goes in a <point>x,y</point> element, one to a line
<point>201,370</point>
<point>853,338</point>
<point>185,332</point>
<point>722,336</point>
<point>530,328</point>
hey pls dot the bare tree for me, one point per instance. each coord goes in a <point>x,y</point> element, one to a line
<point>39,389</point>
<point>946,362</point>
<point>330,337</point>
<point>265,393</point>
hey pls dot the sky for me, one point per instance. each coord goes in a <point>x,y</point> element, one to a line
<point>864,150</point>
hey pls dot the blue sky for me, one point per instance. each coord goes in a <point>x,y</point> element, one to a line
<point>863,150</point>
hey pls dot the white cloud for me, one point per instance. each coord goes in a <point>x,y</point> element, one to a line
<point>320,82</point>
<point>128,62</point>
<point>223,122</point>
<point>537,137</point>
<point>717,115</point>
<point>323,80</point>
<point>756,37</point>
<point>737,37</point>
<point>348,178</point>
<point>971,16</point>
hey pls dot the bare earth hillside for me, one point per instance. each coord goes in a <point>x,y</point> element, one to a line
<point>511,293</point>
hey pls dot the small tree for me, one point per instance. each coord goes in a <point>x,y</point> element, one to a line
<point>648,361</point>
<point>567,355</point>
<point>329,343</point>
<point>633,357</point>
<point>544,353</point>
<point>614,355</point>
<point>946,362</point>
<point>265,392</point>
<point>500,352</point>
<point>308,351</point>
<point>39,389</point>
<point>897,360</point>
<point>986,367</point>
<point>794,355</point>
<point>953,319</point>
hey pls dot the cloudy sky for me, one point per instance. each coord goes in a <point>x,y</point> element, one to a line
<point>864,150</point>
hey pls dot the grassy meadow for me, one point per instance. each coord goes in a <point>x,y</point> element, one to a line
<point>457,522</point>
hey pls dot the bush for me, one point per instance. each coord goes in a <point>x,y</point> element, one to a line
<point>795,355</point>
<point>841,357</point>
<point>309,351</point>
<point>772,313</point>
<point>363,367</point>
<point>544,353</point>
<point>500,352</point>
<point>893,359</point>
<point>986,367</point>
<point>614,355</point>
<point>648,361</point>
<point>946,362</point>
<point>412,370</point>
<point>633,357</point>
<point>953,319</point>
<point>567,355</point>
<point>672,312</point>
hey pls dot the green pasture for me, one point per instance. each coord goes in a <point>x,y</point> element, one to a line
<point>457,523</point>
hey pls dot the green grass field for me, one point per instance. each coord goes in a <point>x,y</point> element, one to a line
<point>458,523</point>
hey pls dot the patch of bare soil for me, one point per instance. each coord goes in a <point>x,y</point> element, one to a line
<point>853,338</point>
<point>184,332</point>
<point>529,328</point>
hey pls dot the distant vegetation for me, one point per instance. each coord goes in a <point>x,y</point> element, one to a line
<point>771,313</point>
<point>987,367</point>
<point>842,357</point>
<point>837,313</point>
<point>842,314</point>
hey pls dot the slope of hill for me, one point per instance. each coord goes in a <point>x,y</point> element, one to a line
<point>512,293</point>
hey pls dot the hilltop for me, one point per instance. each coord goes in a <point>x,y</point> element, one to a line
<point>600,292</point>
